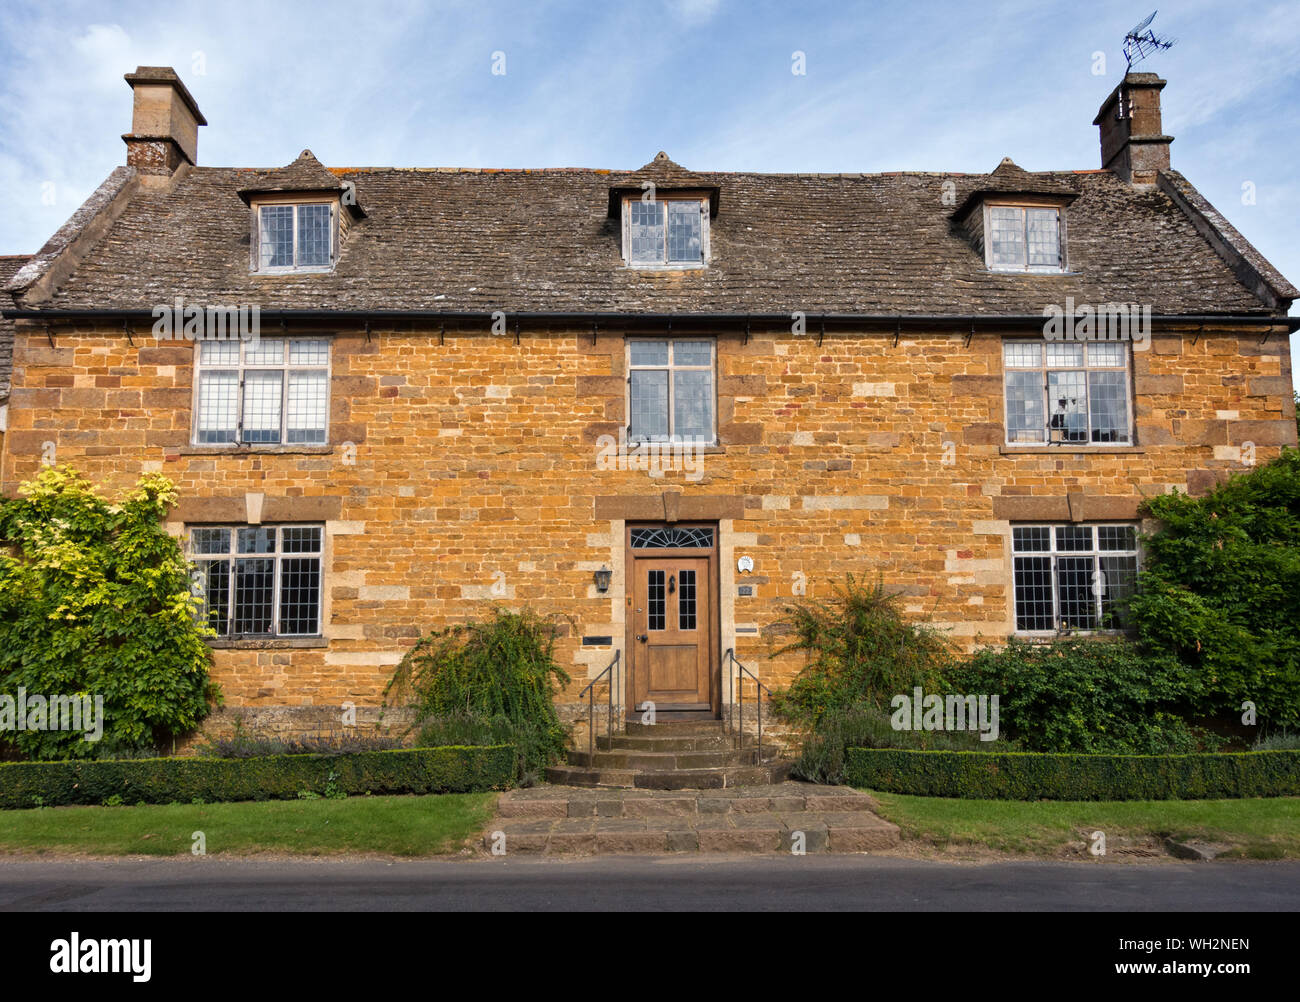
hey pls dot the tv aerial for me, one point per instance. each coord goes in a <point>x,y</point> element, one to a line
<point>1142,41</point>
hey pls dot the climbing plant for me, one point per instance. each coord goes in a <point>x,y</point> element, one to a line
<point>95,602</point>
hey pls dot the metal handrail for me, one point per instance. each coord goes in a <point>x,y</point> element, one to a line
<point>591,704</point>
<point>738,696</point>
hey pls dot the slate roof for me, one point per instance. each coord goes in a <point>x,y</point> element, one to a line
<point>543,241</point>
<point>9,265</point>
<point>304,174</point>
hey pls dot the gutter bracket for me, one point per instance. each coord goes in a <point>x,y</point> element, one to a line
<point>1267,334</point>
<point>594,326</point>
<point>898,329</point>
<point>970,334</point>
<point>516,330</point>
<point>48,336</point>
<point>367,332</point>
<point>442,333</point>
<point>746,341</point>
<point>126,329</point>
<point>822,334</point>
<point>1197,336</point>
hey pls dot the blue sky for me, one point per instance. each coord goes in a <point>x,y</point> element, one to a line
<point>888,86</point>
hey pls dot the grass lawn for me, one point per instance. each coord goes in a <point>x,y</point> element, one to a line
<point>1260,828</point>
<point>399,826</point>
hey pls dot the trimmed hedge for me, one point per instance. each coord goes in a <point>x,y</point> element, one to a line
<point>278,777</point>
<point>1034,776</point>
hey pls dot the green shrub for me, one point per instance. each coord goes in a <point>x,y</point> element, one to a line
<point>861,652</point>
<point>241,744</point>
<point>1086,694</point>
<point>492,681</point>
<point>95,600</point>
<point>1221,590</point>
<point>822,758</point>
<point>281,777</point>
<point>1019,776</point>
<point>1278,741</point>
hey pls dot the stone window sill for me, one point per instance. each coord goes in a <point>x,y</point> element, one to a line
<point>255,450</point>
<point>269,643</point>
<point>1067,450</point>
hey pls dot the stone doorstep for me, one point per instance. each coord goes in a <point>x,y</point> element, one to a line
<point>565,821</point>
<point>561,802</point>
<point>720,833</point>
<point>716,778</point>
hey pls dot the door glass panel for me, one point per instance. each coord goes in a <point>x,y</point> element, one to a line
<point>686,602</point>
<point>656,602</point>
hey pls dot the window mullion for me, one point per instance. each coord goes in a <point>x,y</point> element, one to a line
<point>671,397</point>
<point>1056,599</point>
<point>239,405</point>
<point>1047,399</point>
<point>233,597</point>
<point>275,582</point>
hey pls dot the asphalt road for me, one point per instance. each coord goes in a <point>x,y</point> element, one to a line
<point>822,883</point>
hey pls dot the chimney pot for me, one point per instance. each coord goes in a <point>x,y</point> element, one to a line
<point>164,121</point>
<point>1133,143</point>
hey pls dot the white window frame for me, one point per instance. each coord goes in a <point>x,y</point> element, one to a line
<point>1026,268</point>
<point>277,556</point>
<point>296,202</point>
<point>1053,553</point>
<point>243,367</point>
<point>671,368</point>
<point>666,265</point>
<point>1043,369</point>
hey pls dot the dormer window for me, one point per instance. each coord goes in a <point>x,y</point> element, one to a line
<point>1024,238</point>
<point>666,232</point>
<point>294,236</point>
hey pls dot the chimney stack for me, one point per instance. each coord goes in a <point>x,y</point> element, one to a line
<point>1133,144</point>
<point>164,122</point>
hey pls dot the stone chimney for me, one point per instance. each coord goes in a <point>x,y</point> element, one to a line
<point>1133,144</point>
<point>164,122</point>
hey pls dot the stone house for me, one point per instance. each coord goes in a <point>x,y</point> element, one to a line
<point>664,403</point>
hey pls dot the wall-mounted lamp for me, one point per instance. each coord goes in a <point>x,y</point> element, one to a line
<point>602,578</point>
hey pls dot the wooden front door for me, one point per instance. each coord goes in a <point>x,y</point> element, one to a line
<point>671,632</point>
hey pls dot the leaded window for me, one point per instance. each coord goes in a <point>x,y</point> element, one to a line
<point>1067,392</point>
<point>293,237</point>
<point>273,391</point>
<point>671,390</point>
<point>665,231</point>
<point>1023,238</point>
<point>259,581</point>
<point>1073,577</point>
<point>672,537</point>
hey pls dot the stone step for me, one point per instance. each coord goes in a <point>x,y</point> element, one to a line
<point>579,802</point>
<point>658,742</point>
<point>773,818</point>
<point>675,779</point>
<point>669,761</point>
<point>675,728</point>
